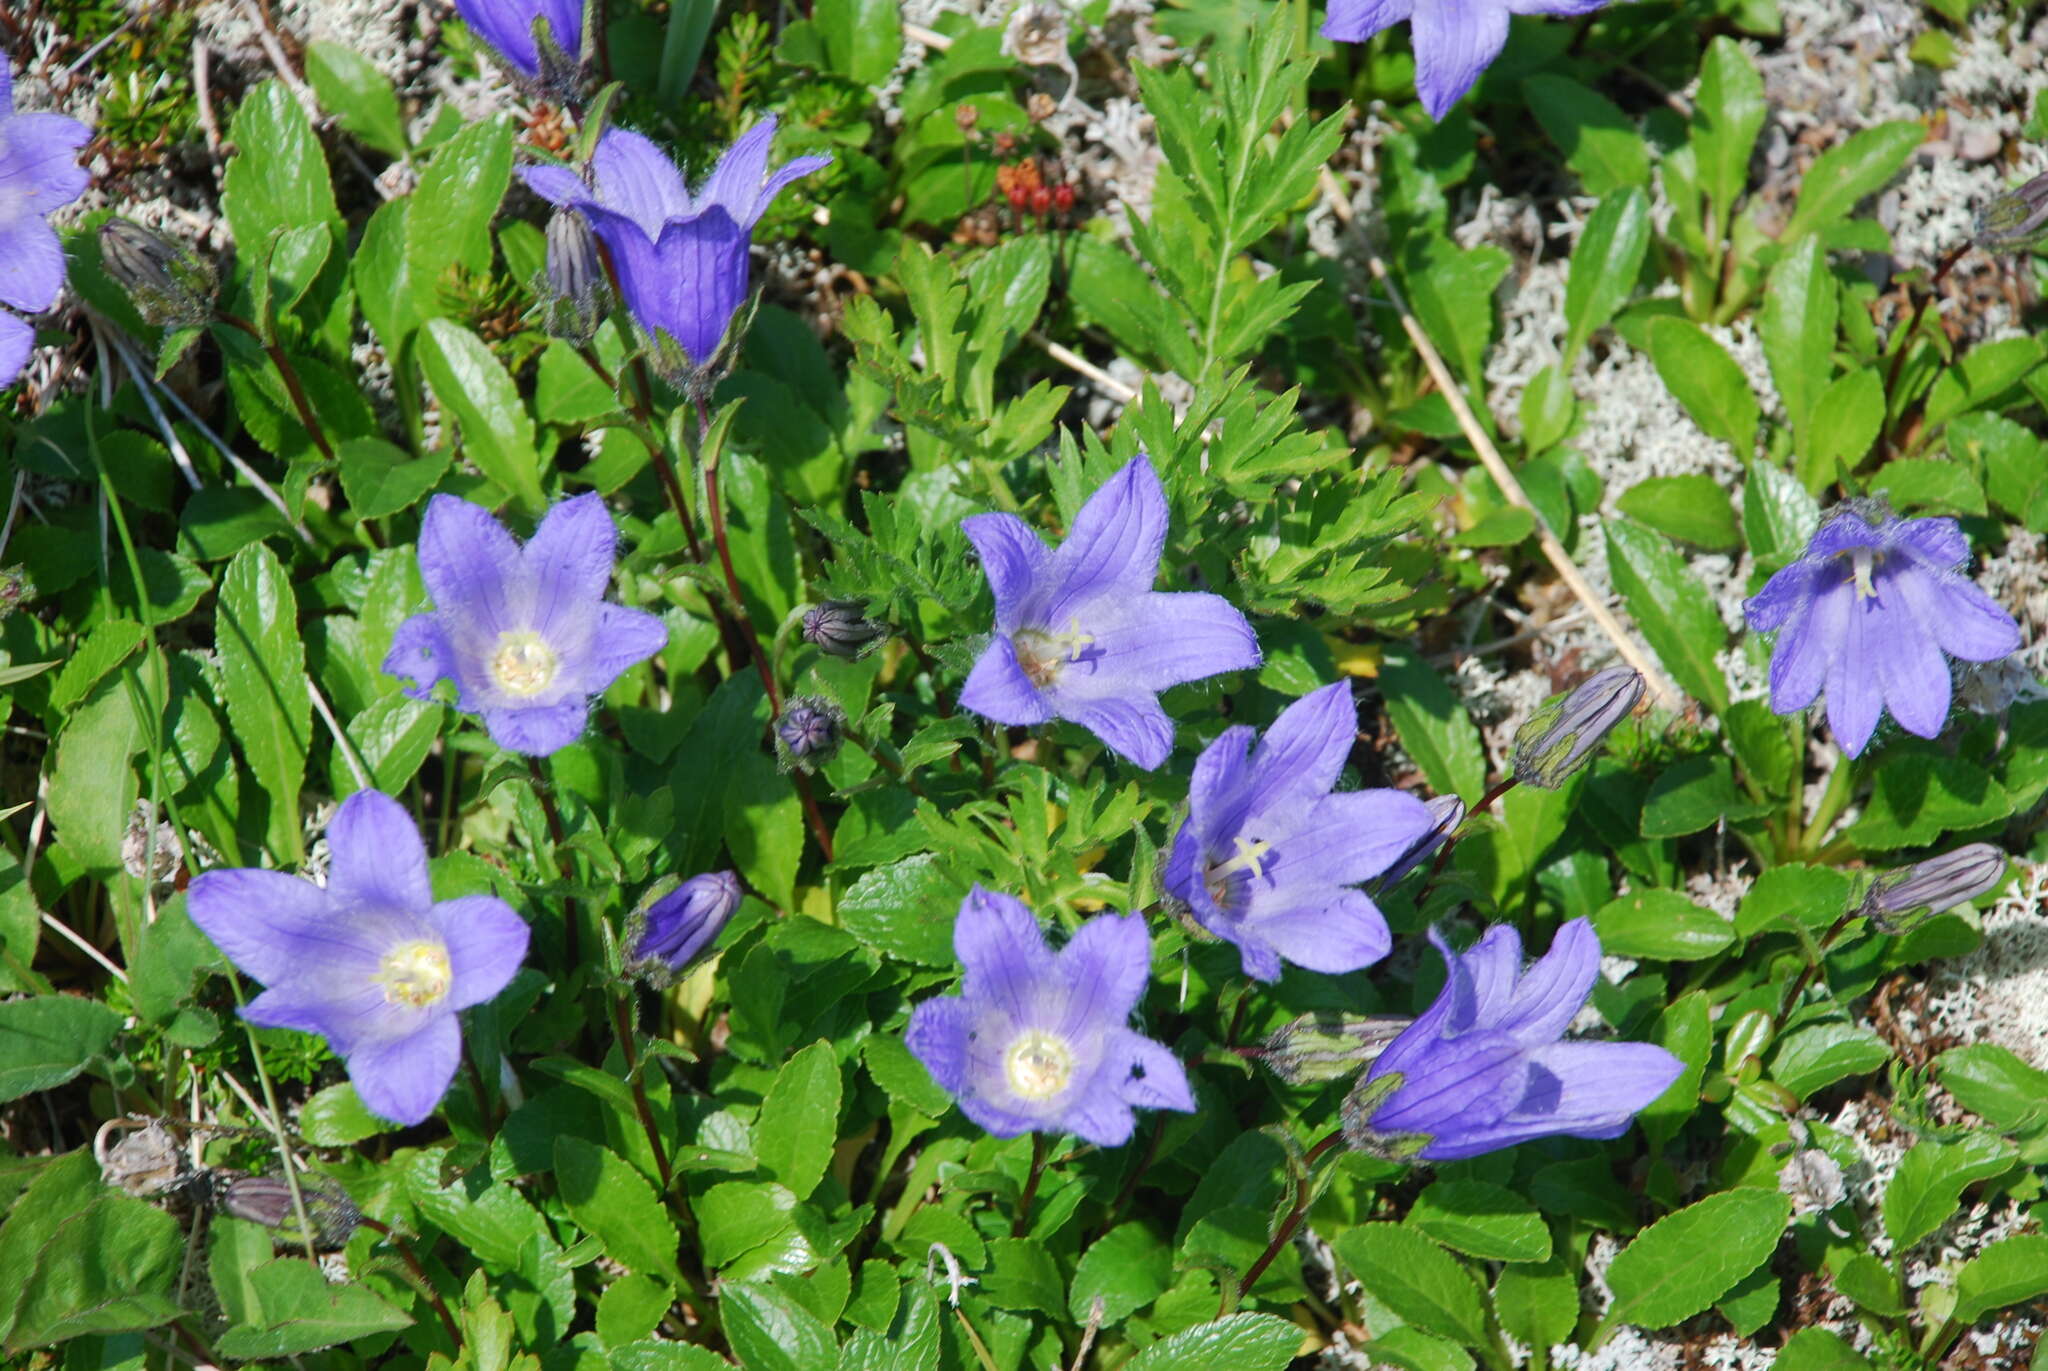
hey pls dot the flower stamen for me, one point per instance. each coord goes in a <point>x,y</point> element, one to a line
<point>1039,1065</point>
<point>416,973</point>
<point>524,665</point>
<point>1043,655</point>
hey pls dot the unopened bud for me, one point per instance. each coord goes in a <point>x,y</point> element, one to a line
<point>1904,897</point>
<point>671,931</point>
<point>2016,220</point>
<point>169,286</point>
<point>809,732</point>
<point>267,1200</point>
<point>576,286</point>
<point>841,628</point>
<point>1329,1047</point>
<point>1446,812</point>
<point>1560,736</point>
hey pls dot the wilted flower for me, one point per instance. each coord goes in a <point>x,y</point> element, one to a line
<point>1900,898</point>
<point>1559,737</point>
<point>2017,220</point>
<point>1329,1047</point>
<point>841,628</point>
<point>809,731</point>
<point>681,260</point>
<point>1267,855</point>
<point>1081,634</point>
<point>168,285</point>
<point>1483,1068</point>
<point>576,288</point>
<point>524,632</point>
<point>371,962</point>
<point>39,172</point>
<point>1867,611</point>
<point>1037,34</point>
<point>1037,1040</point>
<point>541,40</point>
<point>148,1161</point>
<point>267,1200</point>
<point>1813,1181</point>
<point>682,923</point>
<point>1455,40</point>
<point>1446,812</point>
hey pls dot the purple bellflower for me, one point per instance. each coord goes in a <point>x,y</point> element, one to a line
<point>681,259</point>
<point>39,172</point>
<point>524,632</point>
<point>521,31</point>
<point>1483,1067</point>
<point>1037,1041</point>
<point>682,923</point>
<point>1867,613</point>
<point>371,962</point>
<point>1081,634</point>
<point>1455,40</point>
<point>1267,856</point>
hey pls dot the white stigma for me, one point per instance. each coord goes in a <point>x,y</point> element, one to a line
<point>415,973</point>
<point>1864,561</point>
<point>1038,1065</point>
<point>1043,654</point>
<point>1251,857</point>
<point>523,665</point>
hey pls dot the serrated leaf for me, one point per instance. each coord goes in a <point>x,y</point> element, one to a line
<point>357,95</point>
<point>1433,725</point>
<point>2009,1271</point>
<point>263,674</point>
<point>1685,1261</point>
<point>1481,1220</point>
<point>1597,138</point>
<point>1702,376</point>
<point>1860,165</point>
<point>1728,113</point>
<point>612,1203</point>
<point>1821,1054</point>
<point>1674,610</point>
<point>1931,1178</point>
<point>1605,264</point>
<point>1693,508</point>
<point>799,1121</point>
<point>1797,326</point>
<point>1415,1278</point>
<point>1990,1081</point>
<point>106,1268</point>
<point>45,1040</point>
<point>497,432</point>
<point>1241,1342</point>
<point>1660,925</point>
<point>301,1312</point>
<point>1129,1267</point>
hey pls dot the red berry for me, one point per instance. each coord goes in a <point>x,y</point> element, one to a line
<point>1041,200</point>
<point>1063,198</point>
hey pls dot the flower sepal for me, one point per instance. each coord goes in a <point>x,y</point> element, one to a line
<point>1360,1105</point>
<point>1321,1047</point>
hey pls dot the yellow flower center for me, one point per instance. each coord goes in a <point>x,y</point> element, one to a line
<point>523,663</point>
<point>1043,654</point>
<point>1038,1065</point>
<point>415,973</point>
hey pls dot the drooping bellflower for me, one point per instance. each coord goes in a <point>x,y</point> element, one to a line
<point>1455,40</point>
<point>1081,634</point>
<point>524,632</point>
<point>371,962</point>
<point>540,40</point>
<point>1483,1067</point>
<point>39,173</point>
<point>682,923</point>
<point>1268,856</point>
<point>681,259</point>
<point>1868,612</point>
<point>1038,1041</point>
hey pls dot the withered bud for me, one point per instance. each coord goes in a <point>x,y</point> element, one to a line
<point>13,589</point>
<point>841,628</point>
<point>146,1162</point>
<point>2017,220</point>
<point>1558,738</point>
<point>965,117</point>
<point>1329,1047</point>
<point>169,286</point>
<point>1904,897</point>
<point>267,1200</point>
<point>576,287</point>
<point>1448,811</point>
<point>1038,33</point>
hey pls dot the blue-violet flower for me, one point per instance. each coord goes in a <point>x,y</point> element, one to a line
<point>1867,612</point>
<point>1455,40</point>
<point>1037,1041</point>
<point>1267,856</point>
<point>1483,1067</point>
<point>1446,813</point>
<point>524,632</point>
<point>371,962</point>
<point>1081,634</point>
<point>522,31</point>
<point>684,922</point>
<point>39,172</point>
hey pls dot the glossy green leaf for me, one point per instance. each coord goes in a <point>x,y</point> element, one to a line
<point>1687,1260</point>
<point>1416,1279</point>
<point>1433,725</point>
<point>1674,610</point>
<point>1481,1220</point>
<point>1929,1183</point>
<point>263,667</point>
<point>1707,381</point>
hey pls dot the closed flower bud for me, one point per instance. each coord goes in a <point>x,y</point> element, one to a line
<point>1904,897</point>
<point>576,285</point>
<point>1559,737</point>
<point>1448,811</point>
<point>673,930</point>
<point>169,286</point>
<point>809,732</point>
<point>2017,220</point>
<point>1329,1047</point>
<point>267,1200</point>
<point>841,628</point>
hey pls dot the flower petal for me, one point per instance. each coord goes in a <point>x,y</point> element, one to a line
<point>620,639</point>
<point>1158,639</point>
<point>1219,792</point>
<point>557,185</point>
<point>703,267</point>
<point>420,654</point>
<point>376,860</point>
<point>938,1037</point>
<point>1342,839</point>
<point>35,263</point>
<point>471,566</point>
<point>1354,21</point>
<point>1002,953</point>
<point>1547,998</point>
<point>1101,973</point>
<point>1963,620</point>
<point>998,689</point>
<point>1913,673</point>
<point>1182,874</point>
<point>1554,6</point>
<point>402,1079</point>
<point>1455,41</point>
<point>538,730</point>
<point>639,180</point>
<point>1491,968</point>
<point>1938,543</point>
<point>1330,930</point>
<point>1305,749</point>
<point>1146,1074</point>
<point>17,341</point>
<point>1133,726</point>
<point>507,28</point>
<point>1464,1083</point>
<point>569,559</point>
<point>1807,646</point>
<point>260,920</point>
<point>1783,595</point>
<point>41,161</point>
<point>1113,548</point>
<point>1014,560</point>
<point>735,183</point>
<point>1843,530</point>
<point>1096,1110</point>
<point>1855,691</point>
<point>486,942</point>
<point>790,172</point>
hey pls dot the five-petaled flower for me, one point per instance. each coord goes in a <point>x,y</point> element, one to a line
<point>1267,855</point>
<point>681,259</point>
<point>1081,634</point>
<point>1483,1067</point>
<point>1037,1041</point>
<point>371,962</point>
<point>524,31</point>
<point>1867,612</point>
<point>1455,40</point>
<point>524,632</point>
<point>39,172</point>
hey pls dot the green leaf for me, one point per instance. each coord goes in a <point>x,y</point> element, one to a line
<point>1932,485</point>
<point>1022,1276</point>
<point>2010,1271</point>
<point>1241,1342</point>
<point>1452,294</point>
<point>862,38</point>
<point>106,1268</point>
<point>1797,325</point>
<point>799,1123</point>
<point>1778,516</point>
<point>497,433</point>
<point>1818,1349</point>
<point>1693,508</point>
<point>263,671</point>
<point>2012,460</point>
<point>1481,1220</point>
<point>1728,113</point>
<point>1661,925</point>
<point>1792,895</point>
<point>1990,1081</point>
<point>1844,424</point>
<point>1674,610</point>
<point>277,179</point>
<point>1433,725</point>
<point>1706,380</point>
<point>1597,139</point>
<point>1931,1179</point>
<point>736,1219</point>
<point>1129,1267</point>
<point>336,1117</point>
<point>301,1312</point>
<point>1605,265</point>
<point>448,222</point>
<point>1821,1054</point>
<point>380,479</point>
<point>1685,1029</point>
<point>1693,795</point>
<point>1750,1305</point>
<point>615,1205</point>
<point>905,910</point>
<point>1843,175</point>
<point>1415,1278</point>
<point>357,95</point>
<point>772,1332</point>
<point>106,647</point>
<point>1685,1261</point>
<point>1538,1303</point>
<point>1916,798</point>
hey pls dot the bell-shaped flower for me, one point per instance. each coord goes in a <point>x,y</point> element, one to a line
<point>1868,612</point>
<point>1038,1041</point>
<point>676,928</point>
<point>525,633</point>
<point>541,40</point>
<point>681,259</point>
<point>1455,40</point>
<point>371,961</point>
<point>1081,634</point>
<point>1484,1068</point>
<point>1268,854</point>
<point>39,173</point>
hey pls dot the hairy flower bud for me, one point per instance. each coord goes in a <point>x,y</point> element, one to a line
<point>841,628</point>
<point>1448,811</point>
<point>1559,737</point>
<point>672,930</point>
<point>809,732</point>
<point>2017,220</point>
<point>1904,897</point>
<point>576,287</point>
<point>169,286</point>
<point>267,1200</point>
<point>1329,1047</point>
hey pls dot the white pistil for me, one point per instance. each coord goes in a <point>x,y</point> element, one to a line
<point>524,664</point>
<point>1863,560</point>
<point>1043,655</point>
<point>1039,1065</point>
<point>415,973</point>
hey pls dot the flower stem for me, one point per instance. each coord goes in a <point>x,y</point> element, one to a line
<point>1022,1224</point>
<point>419,1273</point>
<point>486,1115</point>
<point>1285,1233</point>
<point>622,1023</point>
<point>1443,854</point>
<point>290,375</point>
<point>558,836</point>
